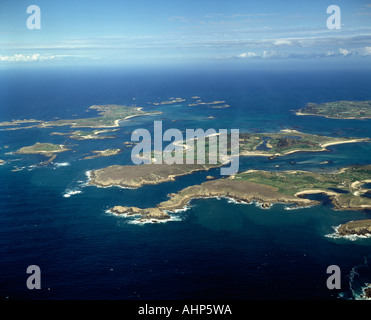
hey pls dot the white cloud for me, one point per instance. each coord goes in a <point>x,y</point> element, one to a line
<point>282,42</point>
<point>36,57</point>
<point>330,53</point>
<point>345,52</point>
<point>273,54</point>
<point>28,58</point>
<point>366,51</point>
<point>247,55</point>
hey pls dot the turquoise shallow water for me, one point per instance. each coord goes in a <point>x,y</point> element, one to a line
<point>216,249</point>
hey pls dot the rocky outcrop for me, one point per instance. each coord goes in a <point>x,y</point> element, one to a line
<point>148,213</point>
<point>266,205</point>
<point>359,227</point>
<point>240,191</point>
<point>367,293</point>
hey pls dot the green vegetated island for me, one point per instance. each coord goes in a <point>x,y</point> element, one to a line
<point>346,189</point>
<point>267,187</point>
<point>195,102</point>
<point>281,143</point>
<point>338,110</point>
<point>86,135</point>
<point>109,117</point>
<point>103,153</point>
<point>270,145</point>
<point>287,141</point>
<point>49,150</point>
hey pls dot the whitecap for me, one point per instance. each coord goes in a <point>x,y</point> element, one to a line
<point>185,208</point>
<point>15,168</point>
<point>62,164</point>
<point>234,201</point>
<point>294,207</point>
<point>112,186</point>
<point>70,193</point>
<point>88,174</point>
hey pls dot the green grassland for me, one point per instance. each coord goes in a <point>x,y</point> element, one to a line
<point>339,109</point>
<point>267,144</point>
<point>42,148</point>
<point>284,142</point>
<point>346,185</point>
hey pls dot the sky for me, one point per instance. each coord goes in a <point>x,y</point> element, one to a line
<point>114,32</point>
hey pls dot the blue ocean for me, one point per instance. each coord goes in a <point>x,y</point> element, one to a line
<point>216,249</point>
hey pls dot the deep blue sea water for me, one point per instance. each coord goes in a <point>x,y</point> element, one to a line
<point>217,249</point>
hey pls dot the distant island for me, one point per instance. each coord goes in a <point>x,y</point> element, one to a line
<point>87,135</point>
<point>196,101</point>
<point>345,189</point>
<point>46,149</point>
<point>338,110</point>
<point>103,153</point>
<point>109,117</point>
<point>287,141</point>
<point>273,145</point>
<point>18,122</point>
<point>170,101</point>
<point>214,104</point>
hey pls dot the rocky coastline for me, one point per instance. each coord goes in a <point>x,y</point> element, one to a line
<point>239,191</point>
<point>359,228</point>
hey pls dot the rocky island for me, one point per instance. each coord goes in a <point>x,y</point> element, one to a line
<point>103,153</point>
<point>167,102</point>
<point>214,104</point>
<point>338,110</point>
<point>267,187</point>
<point>46,149</point>
<point>87,135</point>
<point>15,122</point>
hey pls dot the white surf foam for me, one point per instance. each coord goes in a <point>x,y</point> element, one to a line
<point>62,164</point>
<point>152,220</point>
<point>234,201</point>
<point>352,237</point>
<point>185,208</point>
<point>294,207</point>
<point>123,215</point>
<point>68,193</point>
